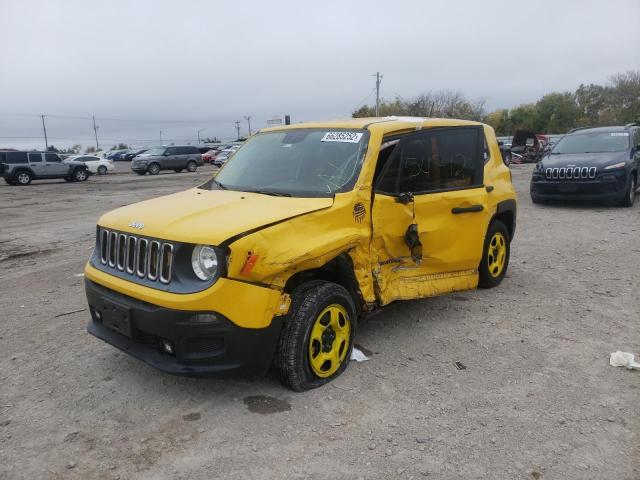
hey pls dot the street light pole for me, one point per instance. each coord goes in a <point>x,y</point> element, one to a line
<point>199,134</point>
<point>160,137</point>
<point>237,122</point>
<point>248,119</point>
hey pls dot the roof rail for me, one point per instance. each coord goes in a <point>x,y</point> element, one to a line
<point>632,124</point>
<point>579,128</point>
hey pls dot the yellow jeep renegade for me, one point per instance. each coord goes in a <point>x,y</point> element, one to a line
<point>306,229</point>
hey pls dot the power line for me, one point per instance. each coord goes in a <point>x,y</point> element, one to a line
<point>109,119</point>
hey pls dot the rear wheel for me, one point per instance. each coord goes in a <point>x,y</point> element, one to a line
<point>153,169</point>
<point>630,193</point>
<point>80,175</point>
<point>192,166</point>
<point>102,170</point>
<point>23,177</point>
<point>495,255</point>
<point>317,337</point>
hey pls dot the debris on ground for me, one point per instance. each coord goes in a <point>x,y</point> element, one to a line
<point>623,359</point>
<point>358,356</point>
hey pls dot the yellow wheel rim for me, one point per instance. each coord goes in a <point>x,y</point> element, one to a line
<point>329,340</point>
<point>497,254</point>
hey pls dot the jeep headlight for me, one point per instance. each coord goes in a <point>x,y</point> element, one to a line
<point>615,165</point>
<point>204,261</point>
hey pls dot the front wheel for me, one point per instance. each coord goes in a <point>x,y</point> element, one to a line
<point>630,192</point>
<point>495,255</point>
<point>192,166</point>
<point>317,337</point>
<point>102,170</point>
<point>80,175</point>
<point>154,169</point>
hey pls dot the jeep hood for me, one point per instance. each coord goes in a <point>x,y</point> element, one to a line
<point>208,216</point>
<point>599,160</point>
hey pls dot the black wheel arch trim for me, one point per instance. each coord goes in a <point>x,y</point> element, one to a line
<point>508,206</point>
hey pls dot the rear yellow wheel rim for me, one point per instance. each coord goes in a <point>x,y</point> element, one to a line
<point>497,254</point>
<point>329,340</point>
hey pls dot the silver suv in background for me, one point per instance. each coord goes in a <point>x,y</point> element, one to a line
<point>20,168</point>
<point>176,158</point>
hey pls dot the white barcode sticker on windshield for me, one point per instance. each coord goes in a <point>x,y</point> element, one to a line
<point>620,134</point>
<point>348,137</point>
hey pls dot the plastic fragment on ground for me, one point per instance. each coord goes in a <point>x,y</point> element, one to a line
<point>358,356</point>
<point>623,359</point>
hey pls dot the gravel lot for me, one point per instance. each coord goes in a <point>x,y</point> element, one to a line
<point>538,398</point>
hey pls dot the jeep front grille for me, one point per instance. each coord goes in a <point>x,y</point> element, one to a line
<point>571,173</point>
<point>141,257</point>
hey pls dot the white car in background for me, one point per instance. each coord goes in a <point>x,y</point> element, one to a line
<point>95,165</point>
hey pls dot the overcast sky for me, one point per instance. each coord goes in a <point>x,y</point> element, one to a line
<point>179,66</point>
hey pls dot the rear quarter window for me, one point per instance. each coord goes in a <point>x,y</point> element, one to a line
<point>16,157</point>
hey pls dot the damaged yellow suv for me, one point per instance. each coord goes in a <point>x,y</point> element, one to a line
<point>305,230</point>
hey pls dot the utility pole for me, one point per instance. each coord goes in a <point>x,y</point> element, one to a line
<point>199,134</point>
<point>237,122</point>
<point>46,143</point>
<point>95,131</point>
<point>160,137</point>
<point>378,81</point>
<point>248,119</point>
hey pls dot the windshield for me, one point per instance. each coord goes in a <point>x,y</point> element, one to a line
<point>155,151</point>
<point>300,162</point>
<point>592,143</point>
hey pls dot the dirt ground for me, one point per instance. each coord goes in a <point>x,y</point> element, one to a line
<point>538,398</point>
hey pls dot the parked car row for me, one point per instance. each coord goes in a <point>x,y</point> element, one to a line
<point>220,154</point>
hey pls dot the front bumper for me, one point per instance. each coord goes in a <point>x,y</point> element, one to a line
<point>217,348</point>
<point>582,190</point>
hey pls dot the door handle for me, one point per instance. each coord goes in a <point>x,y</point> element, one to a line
<point>471,209</point>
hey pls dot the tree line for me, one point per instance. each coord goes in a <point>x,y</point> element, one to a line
<point>615,103</point>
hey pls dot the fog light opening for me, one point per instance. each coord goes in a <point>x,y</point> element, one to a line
<point>167,346</point>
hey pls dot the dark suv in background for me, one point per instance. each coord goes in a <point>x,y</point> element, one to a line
<point>175,158</point>
<point>20,168</point>
<point>590,164</point>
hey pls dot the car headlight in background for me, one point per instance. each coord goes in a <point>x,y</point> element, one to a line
<point>204,261</point>
<point>615,165</point>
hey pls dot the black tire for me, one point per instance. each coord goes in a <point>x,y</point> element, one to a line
<point>80,175</point>
<point>23,177</point>
<point>192,166</point>
<point>153,169</point>
<point>630,192</point>
<point>292,357</point>
<point>102,170</point>
<point>178,170</point>
<point>492,272</point>
<point>535,199</point>
<point>9,181</point>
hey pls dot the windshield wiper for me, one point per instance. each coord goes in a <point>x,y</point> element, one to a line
<point>222,187</point>
<point>268,192</point>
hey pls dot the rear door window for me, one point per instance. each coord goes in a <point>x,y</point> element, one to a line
<point>35,158</point>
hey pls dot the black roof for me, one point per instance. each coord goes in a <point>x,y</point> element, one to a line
<point>613,128</point>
